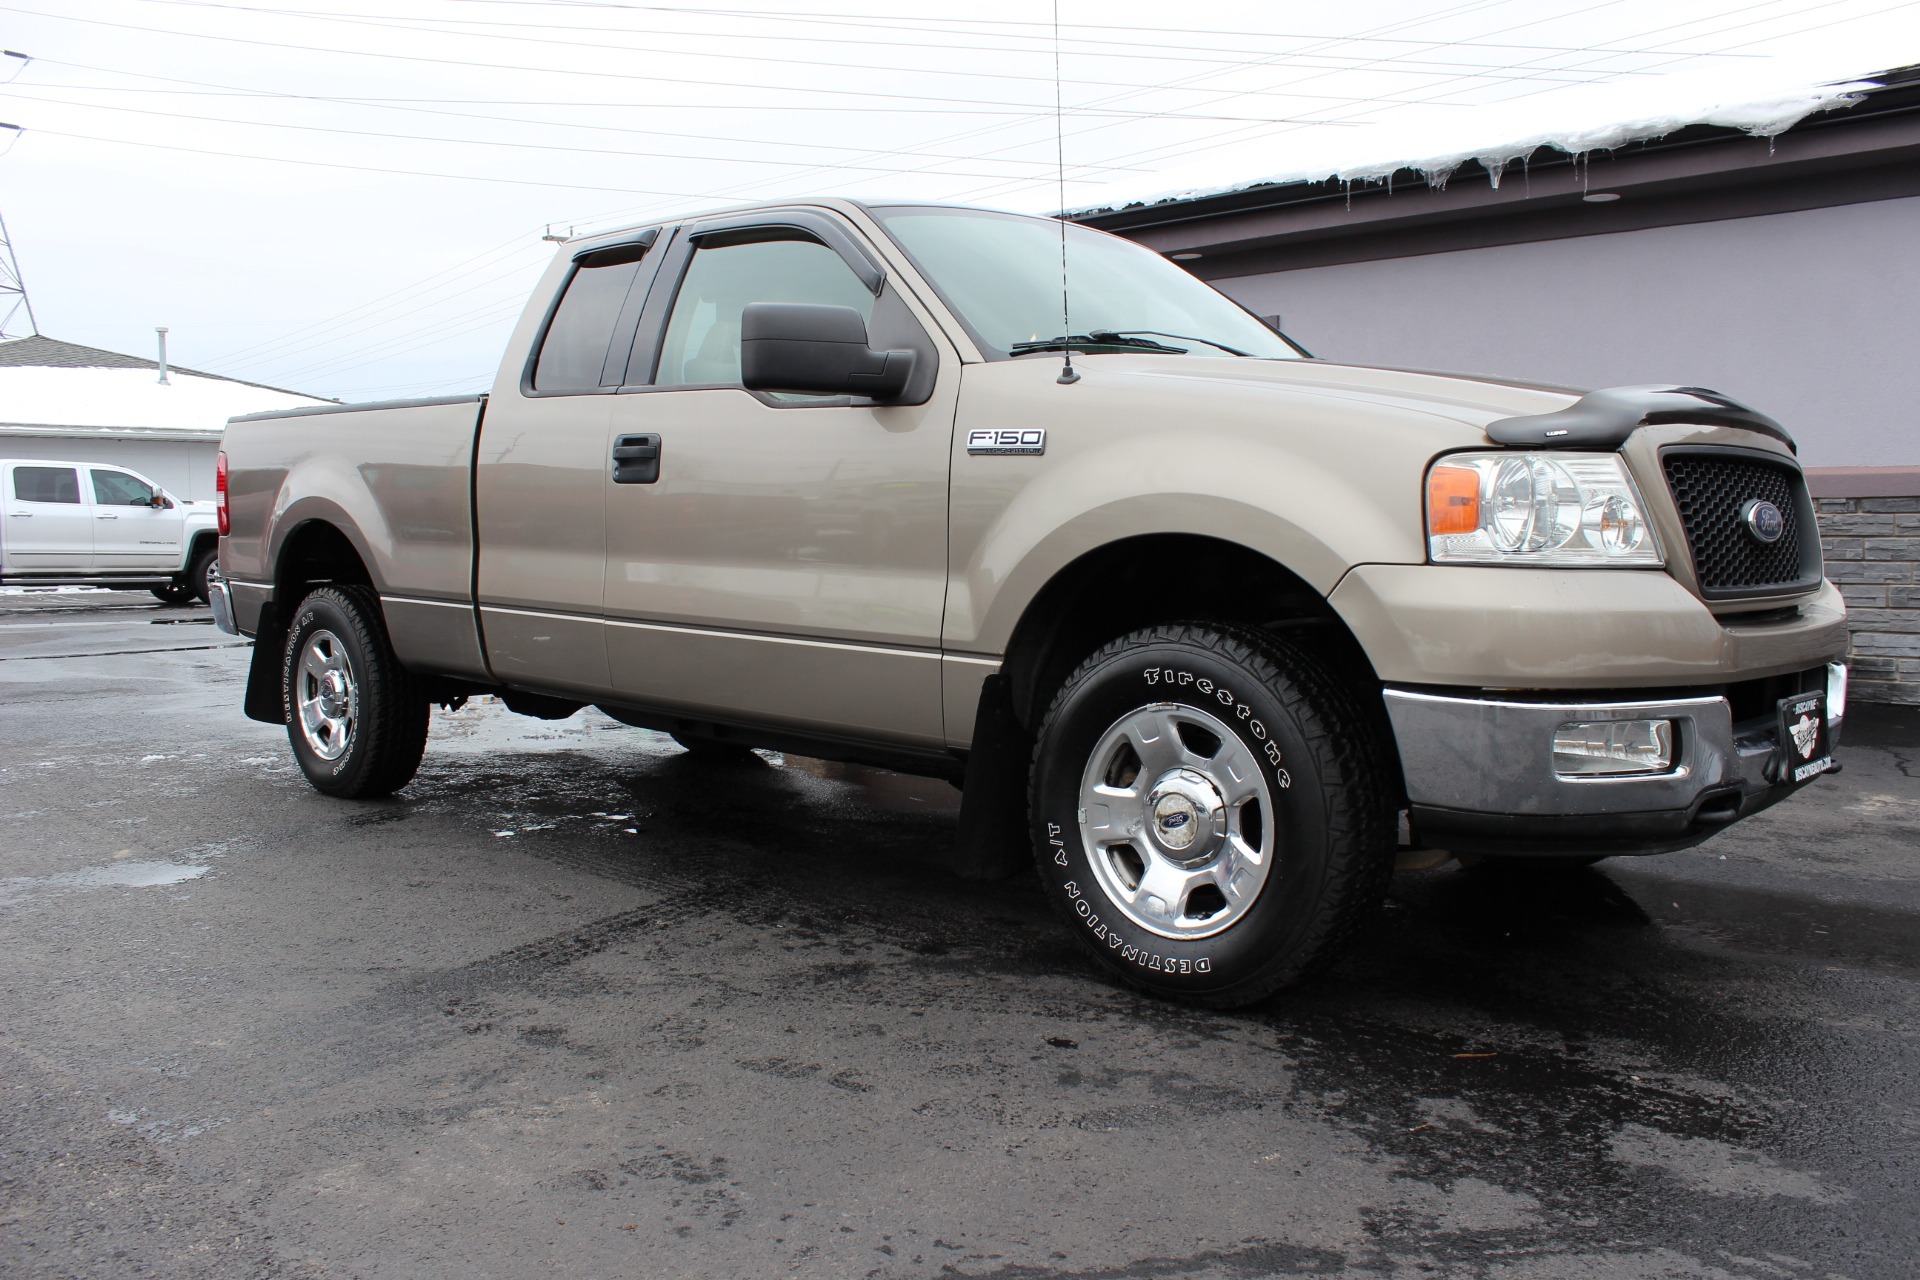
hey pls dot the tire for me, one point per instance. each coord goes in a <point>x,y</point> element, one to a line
<point>1255,754</point>
<point>357,719</point>
<point>173,593</point>
<point>199,577</point>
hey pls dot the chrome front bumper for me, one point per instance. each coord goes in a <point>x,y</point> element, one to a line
<point>220,598</point>
<point>1480,776</point>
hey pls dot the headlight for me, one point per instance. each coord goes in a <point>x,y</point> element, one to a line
<point>1562,510</point>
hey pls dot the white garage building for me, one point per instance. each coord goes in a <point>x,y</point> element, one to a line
<point>62,401</point>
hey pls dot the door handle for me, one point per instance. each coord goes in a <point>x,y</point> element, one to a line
<point>101,517</point>
<point>636,459</point>
<point>21,515</point>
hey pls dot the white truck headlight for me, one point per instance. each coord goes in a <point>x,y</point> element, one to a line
<point>1556,510</point>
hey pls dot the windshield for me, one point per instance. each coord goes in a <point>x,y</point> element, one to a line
<point>1001,273</point>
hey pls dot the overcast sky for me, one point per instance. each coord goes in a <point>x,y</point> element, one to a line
<point>347,196</point>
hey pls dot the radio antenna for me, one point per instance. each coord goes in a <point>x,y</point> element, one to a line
<point>1067,375</point>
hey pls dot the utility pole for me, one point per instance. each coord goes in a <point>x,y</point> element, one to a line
<point>13,291</point>
<point>162,331</point>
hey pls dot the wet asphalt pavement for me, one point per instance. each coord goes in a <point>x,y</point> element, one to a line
<point>576,1004</point>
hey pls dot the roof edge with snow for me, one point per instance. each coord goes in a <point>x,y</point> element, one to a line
<point>1766,116</point>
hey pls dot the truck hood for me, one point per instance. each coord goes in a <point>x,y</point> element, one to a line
<point>1471,400</point>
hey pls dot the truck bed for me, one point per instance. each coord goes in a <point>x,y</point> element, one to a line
<point>410,512</point>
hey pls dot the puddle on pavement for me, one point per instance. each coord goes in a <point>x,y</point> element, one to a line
<point>118,875</point>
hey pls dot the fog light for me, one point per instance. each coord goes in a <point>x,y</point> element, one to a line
<point>1611,748</point>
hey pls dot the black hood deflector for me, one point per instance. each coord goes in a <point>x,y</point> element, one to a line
<point>1604,419</point>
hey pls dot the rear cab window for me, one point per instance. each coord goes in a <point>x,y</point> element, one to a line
<point>579,351</point>
<point>46,484</point>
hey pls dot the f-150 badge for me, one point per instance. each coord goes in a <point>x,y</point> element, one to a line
<point>1024,440</point>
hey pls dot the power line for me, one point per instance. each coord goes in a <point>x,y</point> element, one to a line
<point>207,89</point>
<point>872,21</point>
<point>366,168</point>
<point>481,142</point>
<point>498,66</point>
<point>410,22</point>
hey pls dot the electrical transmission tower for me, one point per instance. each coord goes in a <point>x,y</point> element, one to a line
<point>13,292</point>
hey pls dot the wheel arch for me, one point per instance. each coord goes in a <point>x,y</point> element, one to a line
<point>1120,587</point>
<point>312,551</point>
<point>318,550</point>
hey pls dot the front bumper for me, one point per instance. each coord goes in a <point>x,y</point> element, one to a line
<point>1480,776</point>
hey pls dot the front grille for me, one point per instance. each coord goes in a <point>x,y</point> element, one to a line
<point>1712,487</point>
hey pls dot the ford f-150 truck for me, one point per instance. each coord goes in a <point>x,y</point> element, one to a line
<point>1213,626</point>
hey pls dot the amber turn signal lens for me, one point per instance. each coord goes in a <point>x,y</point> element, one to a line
<point>1453,500</point>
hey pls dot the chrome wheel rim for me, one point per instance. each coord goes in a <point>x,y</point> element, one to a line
<point>1176,816</point>
<point>328,696</point>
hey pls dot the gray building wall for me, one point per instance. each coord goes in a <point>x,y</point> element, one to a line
<point>183,468</point>
<point>1812,317</point>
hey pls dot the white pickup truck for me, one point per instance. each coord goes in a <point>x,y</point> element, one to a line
<point>79,523</point>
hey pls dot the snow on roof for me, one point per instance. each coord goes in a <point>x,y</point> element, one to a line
<point>65,388</point>
<point>1577,122</point>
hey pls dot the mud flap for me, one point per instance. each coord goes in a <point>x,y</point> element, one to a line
<point>993,842</point>
<point>264,701</point>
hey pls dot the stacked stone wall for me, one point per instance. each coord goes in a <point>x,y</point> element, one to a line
<point>1872,547</point>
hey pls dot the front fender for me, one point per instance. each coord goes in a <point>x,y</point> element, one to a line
<point>1315,483</point>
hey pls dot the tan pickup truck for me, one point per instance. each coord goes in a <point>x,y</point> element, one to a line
<point>1208,627</point>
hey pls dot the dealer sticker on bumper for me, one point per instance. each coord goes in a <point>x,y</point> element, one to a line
<point>1803,736</point>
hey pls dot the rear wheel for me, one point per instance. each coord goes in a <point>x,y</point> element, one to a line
<point>1213,811</point>
<point>357,718</point>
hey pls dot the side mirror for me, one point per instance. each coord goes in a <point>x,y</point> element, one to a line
<point>815,350</point>
<point>161,502</point>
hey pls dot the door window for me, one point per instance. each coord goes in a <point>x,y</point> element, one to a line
<point>118,489</point>
<point>46,484</point>
<point>574,352</point>
<point>702,343</point>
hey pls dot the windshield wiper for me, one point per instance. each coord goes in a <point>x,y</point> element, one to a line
<point>1098,338</point>
<point>1178,337</point>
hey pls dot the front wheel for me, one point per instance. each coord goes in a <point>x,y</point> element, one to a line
<point>357,718</point>
<point>1214,811</point>
<point>199,576</point>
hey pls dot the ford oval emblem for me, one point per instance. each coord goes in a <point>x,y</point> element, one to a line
<point>1175,820</point>
<point>1763,520</point>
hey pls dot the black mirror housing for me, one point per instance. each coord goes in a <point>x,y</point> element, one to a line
<point>805,349</point>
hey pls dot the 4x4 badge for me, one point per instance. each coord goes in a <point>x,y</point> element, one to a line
<point>1022,440</point>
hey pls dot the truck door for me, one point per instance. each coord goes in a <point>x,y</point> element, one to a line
<point>783,558</point>
<point>49,529</point>
<point>130,533</point>
<point>540,471</point>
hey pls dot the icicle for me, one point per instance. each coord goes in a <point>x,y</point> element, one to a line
<point>1494,169</point>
